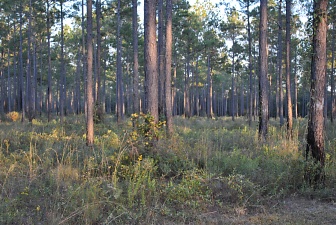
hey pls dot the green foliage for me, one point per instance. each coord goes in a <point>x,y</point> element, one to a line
<point>146,132</point>
<point>48,175</point>
<point>98,114</point>
<point>13,116</point>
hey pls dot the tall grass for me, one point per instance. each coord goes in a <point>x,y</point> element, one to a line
<point>49,176</point>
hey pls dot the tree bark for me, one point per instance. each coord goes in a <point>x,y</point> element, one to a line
<point>288,71</point>
<point>263,93</point>
<point>161,54</point>
<point>209,90</point>
<point>98,56</point>
<point>62,96</point>
<point>250,62</point>
<point>22,92</point>
<point>89,91</point>
<point>233,111</point>
<point>49,87</point>
<point>136,97</point>
<point>315,135</point>
<point>120,102</point>
<point>151,67</point>
<point>280,65</point>
<point>332,84</point>
<point>168,88</point>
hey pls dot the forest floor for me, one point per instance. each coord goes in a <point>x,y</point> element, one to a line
<point>211,171</point>
<point>293,210</point>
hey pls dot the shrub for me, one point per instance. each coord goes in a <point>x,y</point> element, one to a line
<point>14,116</point>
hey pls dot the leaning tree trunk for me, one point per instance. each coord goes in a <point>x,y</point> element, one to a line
<point>315,135</point>
<point>263,81</point>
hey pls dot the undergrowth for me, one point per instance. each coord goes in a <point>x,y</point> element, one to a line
<point>135,175</point>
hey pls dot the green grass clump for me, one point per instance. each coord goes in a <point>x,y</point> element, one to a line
<point>134,174</point>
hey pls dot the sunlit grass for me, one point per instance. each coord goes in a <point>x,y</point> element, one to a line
<point>48,175</point>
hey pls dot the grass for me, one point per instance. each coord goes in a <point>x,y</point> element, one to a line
<point>208,169</point>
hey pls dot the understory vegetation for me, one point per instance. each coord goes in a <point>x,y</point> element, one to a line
<point>135,175</point>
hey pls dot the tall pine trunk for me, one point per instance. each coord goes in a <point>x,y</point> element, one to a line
<point>89,87</point>
<point>136,96</point>
<point>315,135</point>
<point>151,67</point>
<point>49,86</point>
<point>263,93</point>
<point>22,92</point>
<point>120,102</point>
<point>250,63</point>
<point>161,54</point>
<point>62,89</point>
<point>288,71</point>
<point>280,65</point>
<point>332,84</point>
<point>168,88</point>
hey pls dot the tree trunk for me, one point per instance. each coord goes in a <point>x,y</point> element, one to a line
<point>120,102</point>
<point>49,87</point>
<point>168,89</point>
<point>250,62</point>
<point>89,96</point>
<point>295,88</point>
<point>22,92</point>
<point>209,91</point>
<point>288,71</point>
<point>151,67</point>
<point>136,97</point>
<point>62,96</point>
<point>233,85</point>
<point>315,135</point>
<point>263,93</point>
<point>84,60</point>
<point>98,56</point>
<point>186,88</point>
<point>332,84</point>
<point>161,58</point>
<point>29,75</point>
<point>280,65</point>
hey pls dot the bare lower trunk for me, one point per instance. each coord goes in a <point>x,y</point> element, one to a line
<point>315,135</point>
